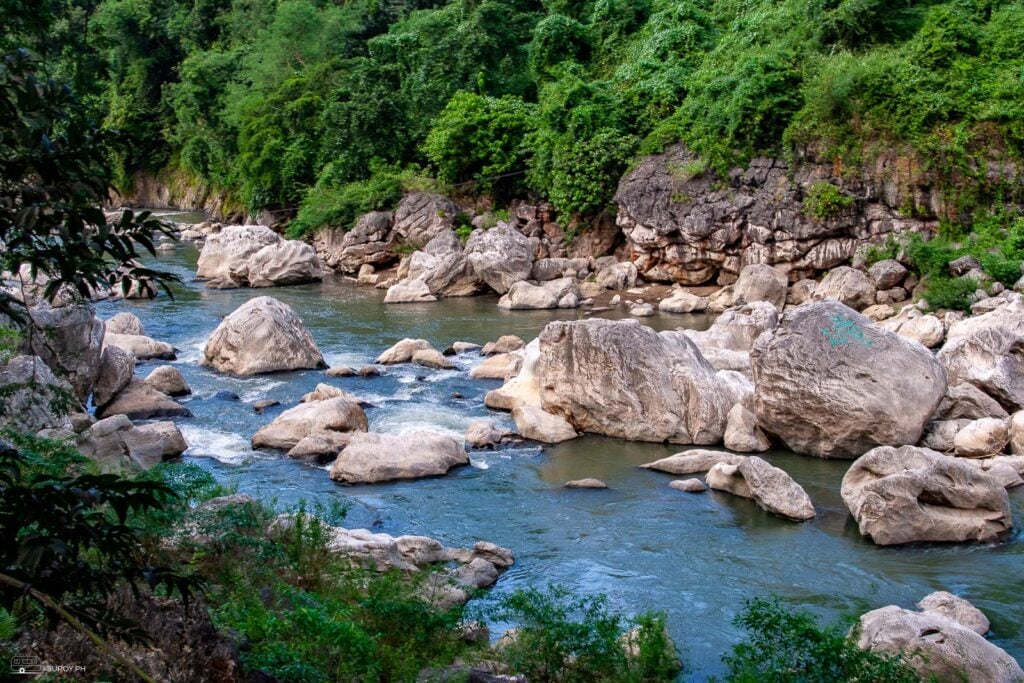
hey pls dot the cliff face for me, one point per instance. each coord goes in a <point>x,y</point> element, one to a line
<point>176,189</point>
<point>688,226</point>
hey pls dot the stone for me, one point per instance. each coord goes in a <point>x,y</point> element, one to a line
<point>117,367</point>
<point>69,339</point>
<point>420,216</point>
<point>693,461</point>
<point>986,436</point>
<point>255,256</point>
<point>947,605</point>
<point>263,335</point>
<point>139,401</point>
<point>936,647</point>
<point>403,351</point>
<point>368,243</point>
<point>154,442</point>
<point>260,406</point>
<point>167,379</point>
<point>588,483</point>
<point>321,447</point>
<point>124,323</point>
<point>770,487</point>
<point>465,347</point>
<point>483,434</point>
<point>848,286</point>
<point>968,401</point>
<point>554,268</point>
<point>34,399</point>
<point>742,433</point>
<point>642,310</point>
<point>727,343</point>
<point>991,359</point>
<point>323,392</point>
<point>495,367</point>
<point>503,344</point>
<point>911,323</point>
<point>368,371</point>
<point>688,485</point>
<point>290,427</point>
<point>962,266</point>
<point>443,267</point>
<point>683,302</point>
<point>829,383</point>
<point>760,282</point>
<point>940,434</point>
<point>523,388</point>
<point>721,300</point>
<point>116,443</point>
<point>909,494</point>
<point>878,312</point>
<point>653,386</point>
<point>372,457</point>
<point>431,358</point>
<point>409,292</point>
<point>341,371</point>
<point>500,256</point>
<point>524,296</point>
<point>1017,433</point>
<point>620,275</point>
<point>887,273</point>
<point>140,346</point>
<point>537,425</point>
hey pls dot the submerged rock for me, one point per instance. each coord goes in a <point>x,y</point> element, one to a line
<point>692,485</point>
<point>770,487</point>
<point>371,457</point>
<point>588,483</point>
<point>262,335</point>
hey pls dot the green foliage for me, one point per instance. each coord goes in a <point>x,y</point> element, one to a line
<point>10,341</point>
<point>789,646</point>
<point>566,638</point>
<point>955,294</point>
<point>824,201</point>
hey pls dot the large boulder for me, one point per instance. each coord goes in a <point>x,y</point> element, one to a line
<point>420,216</point>
<point>829,383</point>
<point>623,379</point>
<point>495,367</point>
<point>727,343</point>
<point>124,323</point>
<point>368,242</point>
<point>443,268</point>
<point>1007,316</point>
<point>255,256</point>
<point>887,273</point>
<point>982,437</point>
<point>991,359</point>
<point>115,443</point>
<point>693,461</point>
<point>935,646</point>
<point>770,487</point>
<point>140,346</point>
<point>848,286</point>
<point>537,425</point>
<point>371,457</point>
<point>70,340</point>
<point>524,387</point>
<point>32,398</point>
<point>117,367</point>
<point>140,401</point>
<point>682,301</point>
<point>500,256</point>
<point>913,324</point>
<point>262,335</point>
<point>168,379</point>
<point>415,291</point>
<point>760,282</point>
<point>338,414</point>
<point>524,296</point>
<point>742,433</point>
<point>909,494</point>
<point>947,605</point>
<point>403,351</point>
<point>970,402</point>
<point>621,275</point>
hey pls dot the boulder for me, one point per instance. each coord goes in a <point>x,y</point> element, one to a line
<point>495,367</point>
<point>693,461</point>
<point>621,275</point>
<point>33,398</point>
<point>641,310</point>
<point>910,494</point>
<point>770,487</point>
<point>801,292</point>
<point>940,434</point>
<point>124,323</point>
<point>366,244</point>
<point>991,359</point>
<point>371,457</point>
<point>727,343</point>
<point>742,433</point>
<point>443,267</point>
<point>829,383</point>
<point>683,302</point>
<point>554,268</point>
<point>911,323</point>
<point>524,296</point>
<point>167,379</point>
<point>848,286</point>
<point>500,256</point>
<point>329,415</point>
<point>721,300</point>
<point>69,339</point>
<point>465,347</point>
<point>504,344</point>
<point>139,401</point>
<point>420,216</point>
<point>431,358</point>
<point>538,425</point>
<point>255,256</point>
<point>588,483</point>
<point>979,438</point>
<point>140,346</point>
<point>623,379</point>
<point>760,282</point>
<point>957,609</point>
<point>116,443</point>
<point>523,388</point>
<point>967,401</point>
<point>322,392</point>
<point>403,351</point>
<point>321,446</point>
<point>936,647</point>
<point>1008,316</point>
<point>887,273</point>
<point>688,485</point>
<point>262,335</point>
<point>409,292</point>
<point>483,434</point>
<point>117,367</point>
<point>1017,433</point>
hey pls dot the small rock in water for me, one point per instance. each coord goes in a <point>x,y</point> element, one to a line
<point>260,406</point>
<point>615,300</point>
<point>456,394</point>
<point>588,483</point>
<point>341,372</point>
<point>642,310</point>
<point>462,347</point>
<point>692,485</point>
<point>226,396</point>
<point>369,371</point>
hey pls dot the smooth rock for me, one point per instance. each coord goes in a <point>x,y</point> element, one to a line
<point>371,457</point>
<point>978,438</point>
<point>524,296</point>
<point>683,302</point>
<point>760,282</point>
<point>968,401</point>
<point>620,275</point>
<point>495,367</point>
<point>290,427</point>
<point>1017,433</point>
<point>431,358</point>
<point>168,380</point>
<point>848,286</point>
<point>588,483</point>
<point>483,434</point>
<point>117,367</point>
<point>139,401</point>
<point>693,461</point>
<point>321,447</point>
<point>255,256</point>
<point>959,610</point>
<point>770,487</point>
<point>742,433</point>
<point>537,425</point>
<point>124,323</point>
<point>403,351</point>
<point>409,292</point>
<point>688,485</point>
<point>887,273</point>
<point>500,256</point>
<point>142,347</point>
<point>503,344</point>
<point>642,311</point>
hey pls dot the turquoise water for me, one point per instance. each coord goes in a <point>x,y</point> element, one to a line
<point>646,546</point>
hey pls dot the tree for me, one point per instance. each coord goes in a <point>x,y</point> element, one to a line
<point>54,179</point>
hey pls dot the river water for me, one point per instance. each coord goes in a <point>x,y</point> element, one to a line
<point>643,544</point>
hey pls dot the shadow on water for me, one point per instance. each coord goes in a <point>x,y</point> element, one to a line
<point>645,545</point>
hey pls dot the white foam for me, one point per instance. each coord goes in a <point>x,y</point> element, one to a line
<point>260,390</point>
<point>347,359</point>
<point>192,349</point>
<point>479,463</point>
<point>227,447</point>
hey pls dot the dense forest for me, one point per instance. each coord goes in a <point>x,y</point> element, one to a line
<point>338,106</point>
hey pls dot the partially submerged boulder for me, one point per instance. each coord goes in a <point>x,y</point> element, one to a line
<point>829,383</point>
<point>693,461</point>
<point>770,487</point>
<point>535,424</point>
<point>910,494</point>
<point>140,401</point>
<point>140,346</point>
<point>168,379</point>
<point>371,457</point>
<point>262,335</point>
<point>290,427</point>
<point>403,351</point>
<point>255,256</point>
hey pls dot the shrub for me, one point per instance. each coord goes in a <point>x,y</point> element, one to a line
<point>955,294</point>
<point>824,201</point>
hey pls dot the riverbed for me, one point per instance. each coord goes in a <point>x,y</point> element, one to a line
<point>641,543</point>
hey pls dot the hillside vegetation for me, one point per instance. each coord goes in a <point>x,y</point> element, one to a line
<point>337,107</point>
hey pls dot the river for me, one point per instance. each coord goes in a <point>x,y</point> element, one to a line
<point>643,544</point>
